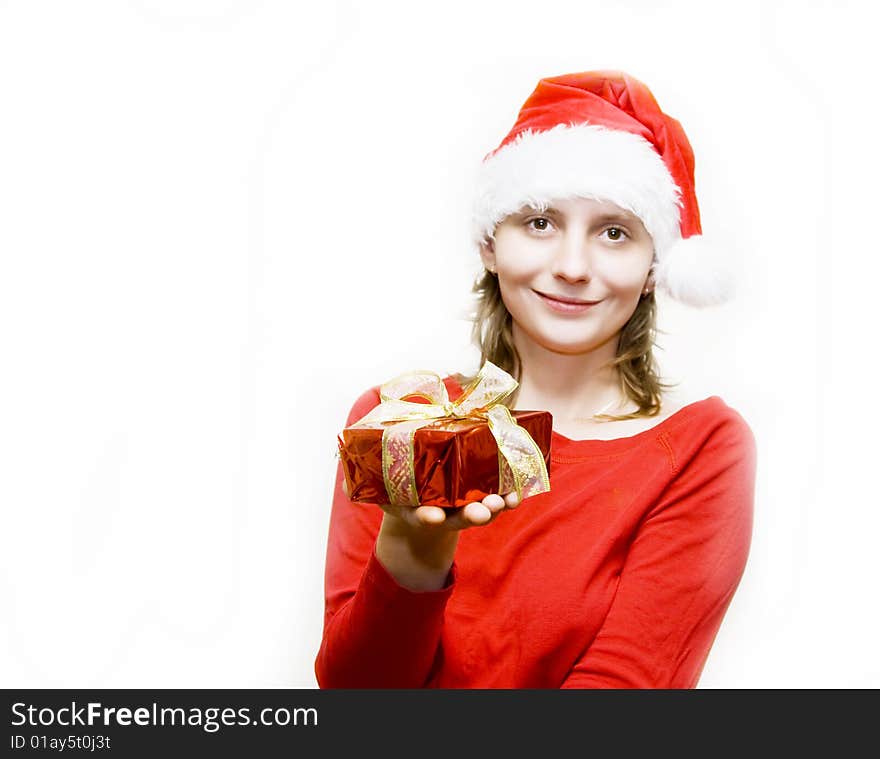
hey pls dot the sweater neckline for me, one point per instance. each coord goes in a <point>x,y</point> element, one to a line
<point>571,449</point>
<point>567,447</point>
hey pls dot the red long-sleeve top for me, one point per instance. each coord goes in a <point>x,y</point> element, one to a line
<point>619,577</point>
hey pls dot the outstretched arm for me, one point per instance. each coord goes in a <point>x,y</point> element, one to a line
<point>388,577</point>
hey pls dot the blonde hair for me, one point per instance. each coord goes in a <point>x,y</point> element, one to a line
<point>637,372</point>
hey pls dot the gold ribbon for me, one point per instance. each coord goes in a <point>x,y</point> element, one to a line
<point>520,462</point>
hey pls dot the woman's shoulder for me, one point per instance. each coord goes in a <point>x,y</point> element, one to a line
<point>715,446</point>
<point>722,412</point>
<point>709,417</point>
<point>365,402</point>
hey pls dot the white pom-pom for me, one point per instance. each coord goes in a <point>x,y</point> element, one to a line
<point>694,272</point>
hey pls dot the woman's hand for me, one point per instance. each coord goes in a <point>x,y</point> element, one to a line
<point>417,544</point>
<point>454,519</point>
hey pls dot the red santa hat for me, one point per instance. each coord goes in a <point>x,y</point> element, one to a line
<point>601,135</point>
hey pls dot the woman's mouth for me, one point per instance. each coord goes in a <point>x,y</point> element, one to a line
<point>564,305</point>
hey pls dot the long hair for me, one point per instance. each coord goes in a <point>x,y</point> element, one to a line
<point>637,372</point>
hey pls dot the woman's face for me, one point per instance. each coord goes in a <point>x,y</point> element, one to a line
<point>580,249</point>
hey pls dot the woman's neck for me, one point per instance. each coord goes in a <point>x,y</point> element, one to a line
<point>570,386</point>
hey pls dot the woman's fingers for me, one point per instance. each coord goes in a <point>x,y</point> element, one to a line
<point>494,503</point>
<point>472,515</point>
<point>429,515</point>
<point>476,513</point>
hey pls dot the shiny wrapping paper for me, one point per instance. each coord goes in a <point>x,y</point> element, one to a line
<point>456,461</point>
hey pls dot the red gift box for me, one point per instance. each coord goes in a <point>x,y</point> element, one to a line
<point>455,461</point>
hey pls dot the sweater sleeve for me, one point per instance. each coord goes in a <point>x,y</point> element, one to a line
<point>377,633</point>
<point>681,571</point>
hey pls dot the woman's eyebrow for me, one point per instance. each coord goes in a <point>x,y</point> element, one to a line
<point>619,216</point>
<point>616,216</point>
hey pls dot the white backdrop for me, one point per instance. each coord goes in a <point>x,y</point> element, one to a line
<point>220,222</point>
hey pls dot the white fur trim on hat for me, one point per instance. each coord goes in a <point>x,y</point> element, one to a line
<point>582,160</point>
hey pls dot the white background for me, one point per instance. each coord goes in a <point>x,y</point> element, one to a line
<point>220,222</point>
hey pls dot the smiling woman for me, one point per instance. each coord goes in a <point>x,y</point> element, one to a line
<point>621,574</point>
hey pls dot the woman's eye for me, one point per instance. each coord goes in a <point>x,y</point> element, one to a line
<point>539,224</point>
<point>616,233</point>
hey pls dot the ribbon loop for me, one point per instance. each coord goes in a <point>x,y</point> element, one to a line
<point>423,383</point>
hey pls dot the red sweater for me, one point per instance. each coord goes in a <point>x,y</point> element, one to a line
<point>619,577</point>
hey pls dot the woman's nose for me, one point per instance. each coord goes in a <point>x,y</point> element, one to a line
<point>572,258</point>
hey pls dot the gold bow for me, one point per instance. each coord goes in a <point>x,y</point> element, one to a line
<point>520,461</point>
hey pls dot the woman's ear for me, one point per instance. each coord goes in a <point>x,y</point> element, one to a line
<point>487,254</point>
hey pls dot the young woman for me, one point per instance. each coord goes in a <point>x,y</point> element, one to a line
<point>620,575</point>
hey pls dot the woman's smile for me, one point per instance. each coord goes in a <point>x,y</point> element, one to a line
<point>568,306</point>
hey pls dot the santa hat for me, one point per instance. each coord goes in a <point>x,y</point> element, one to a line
<point>601,135</point>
